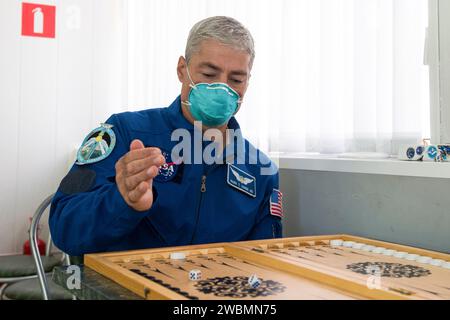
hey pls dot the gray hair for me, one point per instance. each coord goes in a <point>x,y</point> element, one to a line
<point>226,30</point>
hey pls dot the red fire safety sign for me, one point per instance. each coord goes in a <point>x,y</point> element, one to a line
<point>38,20</point>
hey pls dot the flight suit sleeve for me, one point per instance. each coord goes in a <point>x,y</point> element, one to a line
<point>268,225</point>
<point>88,213</point>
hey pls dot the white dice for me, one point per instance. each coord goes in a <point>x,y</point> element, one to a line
<point>195,275</point>
<point>253,281</point>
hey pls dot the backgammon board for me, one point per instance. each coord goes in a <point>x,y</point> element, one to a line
<point>320,267</point>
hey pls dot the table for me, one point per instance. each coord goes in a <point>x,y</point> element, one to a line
<point>93,286</point>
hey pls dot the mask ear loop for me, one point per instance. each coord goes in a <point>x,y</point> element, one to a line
<point>192,85</point>
<point>239,103</point>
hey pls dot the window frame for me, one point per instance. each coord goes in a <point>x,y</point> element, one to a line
<point>444,69</point>
<point>432,60</point>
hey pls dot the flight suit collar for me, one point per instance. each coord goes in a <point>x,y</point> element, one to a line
<point>175,116</point>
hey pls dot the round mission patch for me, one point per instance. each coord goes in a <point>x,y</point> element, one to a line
<point>97,145</point>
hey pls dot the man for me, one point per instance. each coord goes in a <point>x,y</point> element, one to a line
<point>133,186</point>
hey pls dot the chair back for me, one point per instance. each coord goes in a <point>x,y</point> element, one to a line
<point>34,246</point>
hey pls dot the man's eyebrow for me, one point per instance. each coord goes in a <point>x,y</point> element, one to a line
<point>216,68</point>
<point>239,73</point>
<point>209,65</point>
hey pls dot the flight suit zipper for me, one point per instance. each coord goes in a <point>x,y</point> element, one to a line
<point>203,187</point>
<point>202,191</point>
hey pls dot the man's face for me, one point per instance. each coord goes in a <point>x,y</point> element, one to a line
<point>215,62</point>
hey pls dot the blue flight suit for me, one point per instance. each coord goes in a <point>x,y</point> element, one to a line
<point>93,216</point>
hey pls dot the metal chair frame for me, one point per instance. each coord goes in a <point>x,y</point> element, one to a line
<point>40,271</point>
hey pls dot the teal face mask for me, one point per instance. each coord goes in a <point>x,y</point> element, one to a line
<point>212,103</point>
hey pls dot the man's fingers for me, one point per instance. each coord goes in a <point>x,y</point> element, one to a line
<point>136,144</point>
<point>153,172</point>
<point>141,153</point>
<point>136,166</point>
<point>131,182</point>
<point>136,194</point>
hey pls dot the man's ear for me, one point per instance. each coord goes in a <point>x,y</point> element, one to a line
<point>181,69</point>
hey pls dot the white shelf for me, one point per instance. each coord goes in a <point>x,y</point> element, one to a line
<point>389,166</point>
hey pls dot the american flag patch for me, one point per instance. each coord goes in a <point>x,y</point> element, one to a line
<point>276,203</point>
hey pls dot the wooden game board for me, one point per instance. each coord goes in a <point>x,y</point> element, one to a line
<point>314,258</point>
<point>290,268</point>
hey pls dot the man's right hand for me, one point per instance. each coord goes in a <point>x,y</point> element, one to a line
<point>135,172</point>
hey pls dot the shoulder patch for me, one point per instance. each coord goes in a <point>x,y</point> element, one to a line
<point>276,203</point>
<point>97,145</point>
<point>77,181</point>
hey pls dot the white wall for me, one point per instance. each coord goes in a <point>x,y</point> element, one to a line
<point>409,210</point>
<point>52,93</point>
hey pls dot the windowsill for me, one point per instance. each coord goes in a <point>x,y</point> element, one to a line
<point>383,166</point>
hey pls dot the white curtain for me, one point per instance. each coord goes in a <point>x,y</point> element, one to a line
<point>330,76</point>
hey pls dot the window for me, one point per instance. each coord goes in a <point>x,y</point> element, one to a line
<point>444,72</point>
<point>330,76</point>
